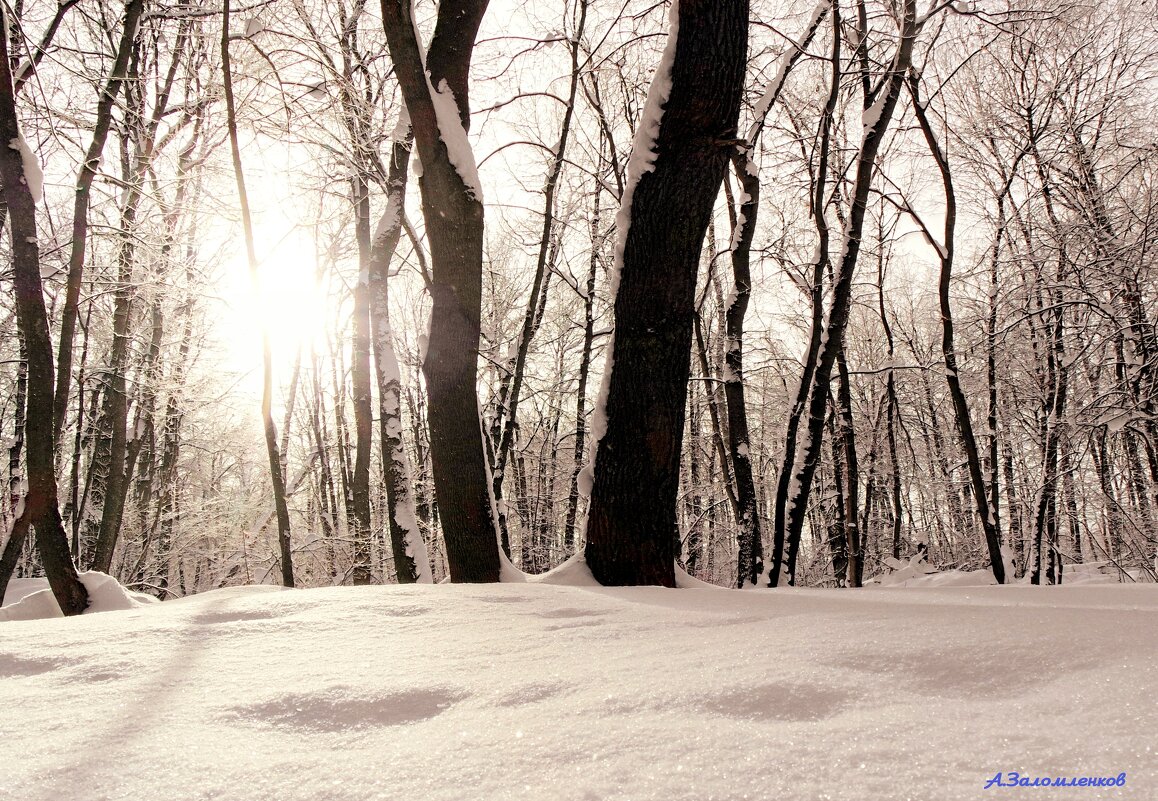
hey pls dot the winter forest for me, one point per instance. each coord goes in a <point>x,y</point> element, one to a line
<point>769,386</point>
<point>346,293</point>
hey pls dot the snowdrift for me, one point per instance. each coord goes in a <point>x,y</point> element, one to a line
<point>31,599</point>
<point>552,691</point>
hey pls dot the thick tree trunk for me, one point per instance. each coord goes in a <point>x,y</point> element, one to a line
<point>438,103</point>
<point>665,212</point>
<point>41,499</point>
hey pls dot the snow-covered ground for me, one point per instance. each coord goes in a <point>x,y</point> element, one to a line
<point>544,691</point>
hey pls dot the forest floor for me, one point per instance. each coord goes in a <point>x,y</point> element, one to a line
<point>562,691</point>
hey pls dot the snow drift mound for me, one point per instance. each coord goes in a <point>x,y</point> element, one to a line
<point>32,599</point>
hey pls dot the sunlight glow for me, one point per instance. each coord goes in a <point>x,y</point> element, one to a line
<point>288,303</point>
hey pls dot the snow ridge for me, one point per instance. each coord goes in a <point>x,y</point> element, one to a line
<point>453,135</point>
<point>33,174</point>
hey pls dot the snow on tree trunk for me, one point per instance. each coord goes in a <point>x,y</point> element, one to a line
<point>32,318</point>
<point>435,89</point>
<point>411,562</point>
<point>678,161</point>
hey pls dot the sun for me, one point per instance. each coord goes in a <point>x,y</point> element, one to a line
<point>287,302</point>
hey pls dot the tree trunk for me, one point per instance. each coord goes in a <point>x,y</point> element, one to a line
<point>847,433</point>
<point>570,525</point>
<point>360,373</point>
<point>981,493</point>
<point>879,111</point>
<point>438,104</point>
<point>506,416</point>
<point>116,409</point>
<point>41,499</point>
<point>665,212</point>
<point>18,527</point>
<point>84,181</point>
<point>411,563</point>
<point>751,552</point>
<point>277,478</point>
<point>820,262</point>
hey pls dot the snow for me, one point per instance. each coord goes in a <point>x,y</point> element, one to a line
<point>31,599</point>
<point>772,90</point>
<point>33,174</point>
<point>567,693</point>
<point>453,135</point>
<point>872,115</point>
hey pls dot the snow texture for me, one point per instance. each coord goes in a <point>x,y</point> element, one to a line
<point>642,161</point>
<point>872,115</point>
<point>453,135</point>
<point>33,174</point>
<point>450,129</point>
<point>569,693</point>
<point>31,599</point>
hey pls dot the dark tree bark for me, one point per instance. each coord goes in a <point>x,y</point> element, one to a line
<point>438,103</point>
<point>981,493</point>
<point>632,522</point>
<point>84,181</point>
<point>879,107</point>
<point>40,501</point>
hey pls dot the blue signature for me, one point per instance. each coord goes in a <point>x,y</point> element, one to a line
<point>1015,779</point>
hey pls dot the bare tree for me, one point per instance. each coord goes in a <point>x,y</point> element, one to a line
<point>436,90</point>
<point>21,189</point>
<point>679,159</point>
<point>277,477</point>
